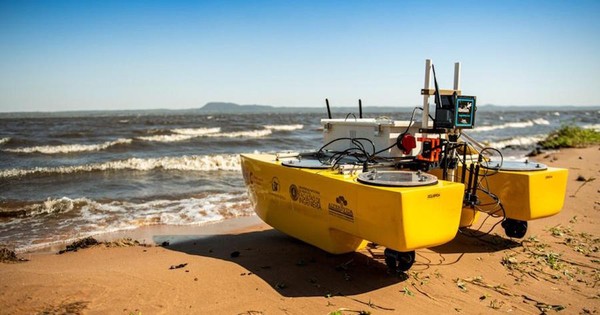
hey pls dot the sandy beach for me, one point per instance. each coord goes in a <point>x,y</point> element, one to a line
<point>243,266</point>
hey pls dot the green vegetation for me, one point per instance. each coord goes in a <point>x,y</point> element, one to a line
<point>571,137</point>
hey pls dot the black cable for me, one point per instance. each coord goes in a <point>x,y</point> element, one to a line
<point>345,138</point>
<point>493,170</point>
<point>421,108</point>
<point>398,139</point>
<point>485,189</point>
<point>338,156</point>
<point>349,116</point>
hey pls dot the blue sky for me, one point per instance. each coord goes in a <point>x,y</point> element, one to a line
<point>85,55</point>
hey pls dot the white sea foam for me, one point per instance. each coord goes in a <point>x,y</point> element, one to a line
<point>228,162</point>
<point>595,127</point>
<point>4,140</point>
<point>242,134</point>
<point>94,217</point>
<point>518,141</point>
<point>196,131</point>
<point>181,134</point>
<point>69,148</point>
<point>284,127</point>
<point>188,133</point>
<point>167,138</point>
<point>61,205</point>
<point>525,124</point>
<point>541,121</point>
<point>212,208</point>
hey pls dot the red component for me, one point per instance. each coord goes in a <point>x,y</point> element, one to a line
<point>408,143</point>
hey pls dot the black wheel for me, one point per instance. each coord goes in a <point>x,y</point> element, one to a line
<point>398,261</point>
<point>406,260</point>
<point>515,228</point>
<point>391,260</point>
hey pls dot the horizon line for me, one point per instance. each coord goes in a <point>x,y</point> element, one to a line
<point>272,106</point>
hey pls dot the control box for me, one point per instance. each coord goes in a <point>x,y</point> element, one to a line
<point>465,108</point>
<point>382,133</point>
<point>455,111</point>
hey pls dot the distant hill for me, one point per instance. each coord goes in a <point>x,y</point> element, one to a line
<point>233,108</point>
<point>224,107</point>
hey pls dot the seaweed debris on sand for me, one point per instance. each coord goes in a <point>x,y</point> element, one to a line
<point>9,256</point>
<point>90,241</point>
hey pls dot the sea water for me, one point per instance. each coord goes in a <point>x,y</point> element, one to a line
<point>69,175</point>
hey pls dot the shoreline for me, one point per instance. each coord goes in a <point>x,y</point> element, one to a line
<point>243,266</point>
<point>157,234</point>
<point>143,233</point>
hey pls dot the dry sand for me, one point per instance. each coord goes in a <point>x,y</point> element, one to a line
<point>253,269</point>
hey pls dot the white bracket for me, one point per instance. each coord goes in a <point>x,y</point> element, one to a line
<point>428,62</point>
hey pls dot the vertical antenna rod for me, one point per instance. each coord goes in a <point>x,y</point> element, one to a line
<point>425,118</point>
<point>328,109</point>
<point>438,98</point>
<point>457,76</point>
<point>359,108</point>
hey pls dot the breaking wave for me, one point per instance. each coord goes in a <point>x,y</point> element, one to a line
<point>188,133</point>
<point>196,131</point>
<point>69,148</point>
<point>516,142</point>
<point>595,127</point>
<point>176,212</point>
<point>167,138</point>
<point>284,127</point>
<point>178,135</point>
<point>523,124</point>
<point>211,208</point>
<point>541,121</point>
<point>229,162</point>
<point>242,134</point>
<point>95,217</point>
<point>60,205</point>
<point>181,134</point>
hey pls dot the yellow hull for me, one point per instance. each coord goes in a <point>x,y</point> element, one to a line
<point>528,195</point>
<point>468,217</point>
<point>525,195</point>
<point>338,214</point>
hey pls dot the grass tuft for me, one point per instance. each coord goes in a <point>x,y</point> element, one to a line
<point>571,137</point>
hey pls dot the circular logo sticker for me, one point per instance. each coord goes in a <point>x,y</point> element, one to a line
<point>294,192</point>
<point>275,184</point>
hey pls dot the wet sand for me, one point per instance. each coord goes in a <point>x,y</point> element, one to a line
<point>243,266</point>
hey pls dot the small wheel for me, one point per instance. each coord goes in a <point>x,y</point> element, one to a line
<point>398,261</point>
<point>515,228</point>
<point>406,260</point>
<point>391,260</point>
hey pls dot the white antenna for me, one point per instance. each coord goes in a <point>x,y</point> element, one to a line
<point>457,76</point>
<point>425,118</point>
<point>426,92</point>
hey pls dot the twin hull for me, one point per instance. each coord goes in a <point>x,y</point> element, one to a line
<point>529,195</point>
<point>525,195</point>
<point>338,214</point>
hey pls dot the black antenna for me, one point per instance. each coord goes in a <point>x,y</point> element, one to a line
<point>438,99</point>
<point>328,110</point>
<point>359,108</point>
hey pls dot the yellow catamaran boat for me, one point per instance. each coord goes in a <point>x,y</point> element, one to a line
<point>403,185</point>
